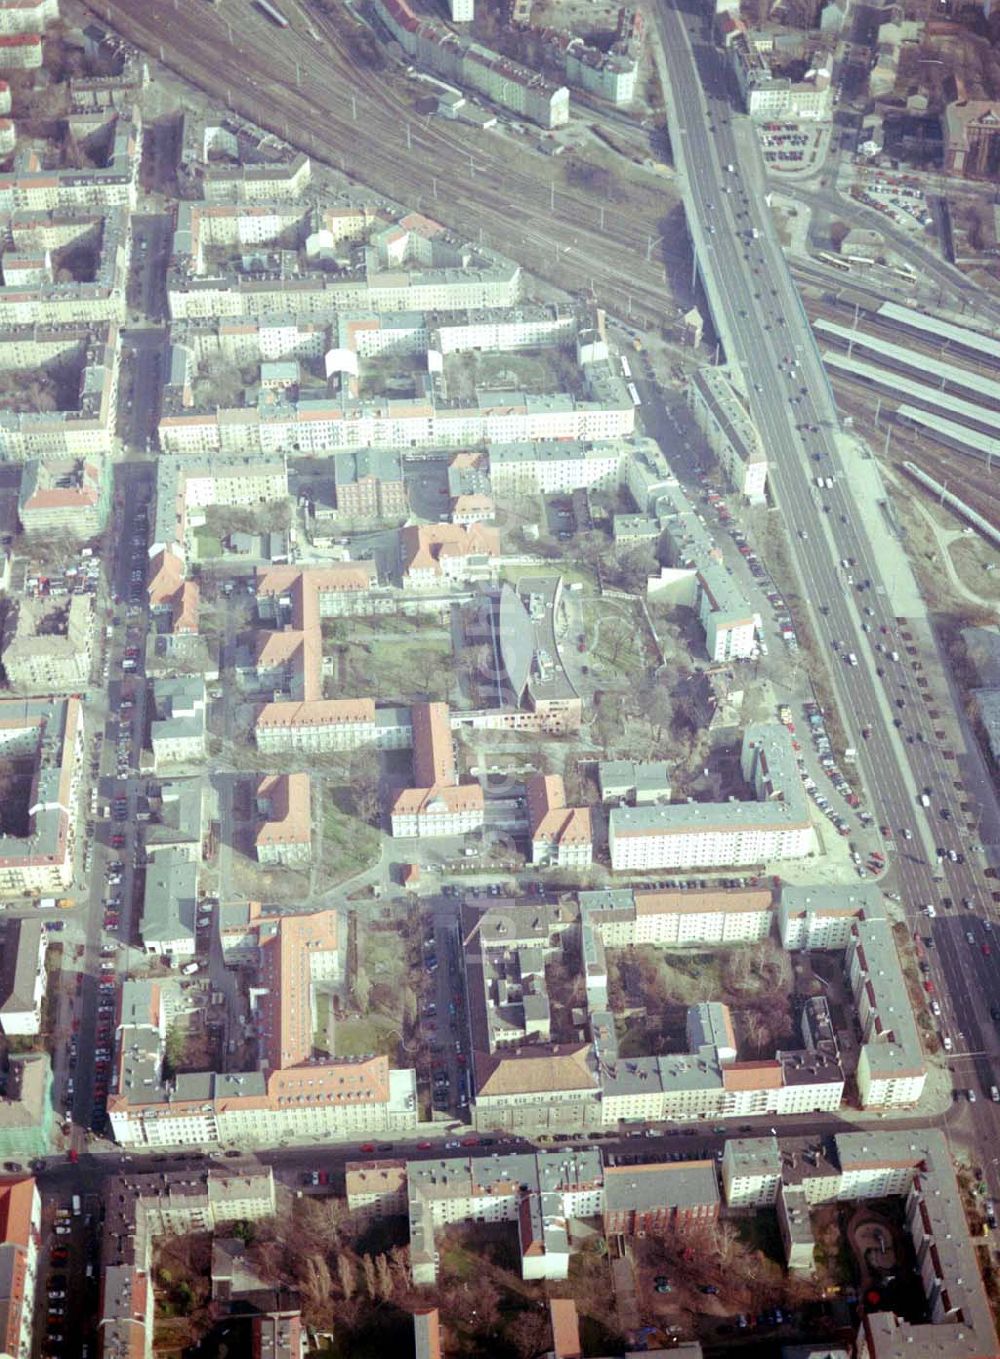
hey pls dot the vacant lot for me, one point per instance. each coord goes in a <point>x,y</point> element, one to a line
<point>401,667</point>
<point>382,992</point>
<point>650,988</point>
<point>350,843</point>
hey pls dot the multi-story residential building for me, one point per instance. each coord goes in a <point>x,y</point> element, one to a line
<point>823,916</point>
<point>20,52</point>
<point>84,431</point>
<point>470,490</point>
<point>499,79</point>
<point>170,906</point>
<point>560,836</point>
<point>27,16</point>
<point>27,1108</point>
<point>144,1207</point>
<point>50,733</point>
<point>528,326</point>
<point>730,622</point>
<point>276,183</point>
<point>292,1093</point>
<point>64,496</point>
<point>318,724</point>
<point>660,1197</point>
<point>437,556</point>
<point>751,1172</point>
<point>20,1237</point>
<point>31,185</point>
<point>768,96</point>
<point>673,919</point>
<point>447,276</point>
<point>22,977</point>
<point>776,827</point>
<point>555,468</point>
<point>726,423</point>
<point>49,647</point>
<point>34,294</point>
<point>285,835</point>
<point>891,1066</point>
<point>437,804</point>
<point>369,484</point>
<point>177,733</point>
<point>537,1191</point>
<point>375,1189</point>
<point>185,487</point>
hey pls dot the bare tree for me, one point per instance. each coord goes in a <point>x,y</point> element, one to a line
<point>368,1269</point>
<point>385,1282</point>
<point>346,1275</point>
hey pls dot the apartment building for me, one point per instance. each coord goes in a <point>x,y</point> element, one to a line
<point>375,1189</point>
<point>526,326</point>
<point>722,416</point>
<point>20,52</point>
<point>437,804</point>
<point>769,96</point>
<point>170,906</point>
<point>284,837</point>
<point>470,491</point>
<point>50,733</point>
<point>447,276</point>
<point>64,496</point>
<point>292,1093</point>
<point>49,649</point>
<point>560,836</point>
<point>751,1172</point>
<point>438,556</point>
<point>536,468</point>
<point>661,1197</point>
<point>82,432</point>
<point>696,576</point>
<point>184,487</point>
<point>27,16</point>
<point>20,1237</point>
<point>369,484</point>
<point>776,827</point>
<point>459,59</point>
<point>823,917</point>
<point>891,1067</point>
<point>177,732</point>
<point>22,977</point>
<point>255,183</point>
<point>31,185</point>
<point>140,1208</point>
<point>34,294</point>
<point>318,725</point>
<point>673,919</point>
<point>535,1191</point>
<point>916,1166</point>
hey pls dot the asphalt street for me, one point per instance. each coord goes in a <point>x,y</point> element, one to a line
<point>766,334</point>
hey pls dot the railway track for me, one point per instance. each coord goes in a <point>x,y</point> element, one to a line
<point>317,97</point>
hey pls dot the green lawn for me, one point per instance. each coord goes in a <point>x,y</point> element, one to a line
<point>349,844</point>
<point>206,545</point>
<point>403,670</point>
<point>359,1037</point>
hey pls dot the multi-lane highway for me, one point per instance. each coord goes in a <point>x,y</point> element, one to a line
<point>839,558</point>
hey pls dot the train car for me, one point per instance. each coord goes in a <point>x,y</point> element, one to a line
<point>275,15</point>
<point>834,261</point>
